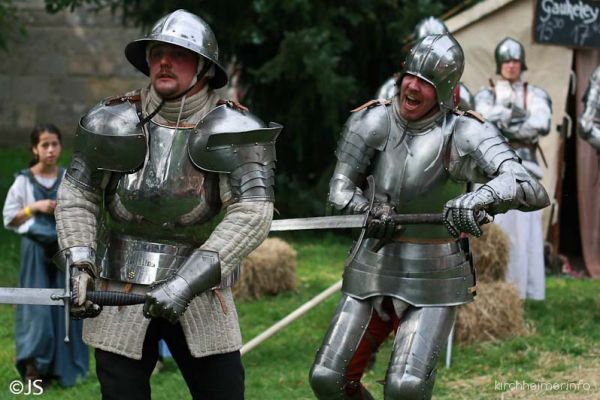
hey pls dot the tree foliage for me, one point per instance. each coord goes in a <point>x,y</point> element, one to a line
<point>305,64</point>
<point>9,24</point>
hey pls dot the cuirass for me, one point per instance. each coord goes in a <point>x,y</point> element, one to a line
<point>168,188</point>
<point>410,173</point>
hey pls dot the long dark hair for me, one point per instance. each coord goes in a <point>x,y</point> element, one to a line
<point>34,138</point>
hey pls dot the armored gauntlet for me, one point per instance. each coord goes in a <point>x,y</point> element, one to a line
<point>170,298</point>
<point>464,213</point>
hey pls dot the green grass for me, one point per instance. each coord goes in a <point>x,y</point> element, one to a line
<point>564,345</point>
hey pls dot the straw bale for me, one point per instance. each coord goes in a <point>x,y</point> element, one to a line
<point>270,269</point>
<point>496,313</point>
<point>490,254</point>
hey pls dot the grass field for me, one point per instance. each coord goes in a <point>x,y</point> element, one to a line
<point>560,359</point>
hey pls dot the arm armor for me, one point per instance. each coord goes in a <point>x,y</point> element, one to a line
<point>539,115</point>
<point>589,122</point>
<point>365,133</point>
<point>509,184</point>
<point>235,142</point>
<point>485,104</point>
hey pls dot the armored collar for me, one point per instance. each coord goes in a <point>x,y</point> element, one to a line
<point>419,127</point>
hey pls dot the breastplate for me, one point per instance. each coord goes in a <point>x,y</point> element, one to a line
<point>168,190</point>
<point>410,173</point>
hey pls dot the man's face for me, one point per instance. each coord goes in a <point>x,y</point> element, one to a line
<point>511,70</point>
<point>172,69</point>
<point>417,98</point>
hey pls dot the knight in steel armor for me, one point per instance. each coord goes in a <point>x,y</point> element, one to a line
<point>523,113</point>
<point>589,122</point>
<point>409,279</point>
<point>463,98</point>
<point>150,170</point>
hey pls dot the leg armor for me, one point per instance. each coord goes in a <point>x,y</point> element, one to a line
<point>327,375</point>
<point>419,340</point>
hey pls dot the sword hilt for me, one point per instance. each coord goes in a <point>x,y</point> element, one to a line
<point>67,294</point>
<point>108,298</point>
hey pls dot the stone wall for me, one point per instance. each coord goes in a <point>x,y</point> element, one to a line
<point>65,64</point>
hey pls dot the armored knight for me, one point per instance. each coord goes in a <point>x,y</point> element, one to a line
<point>589,122</point>
<point>410,279</point>
<point>151,170</point>
<point>523,113</point>
<point>463,98</point>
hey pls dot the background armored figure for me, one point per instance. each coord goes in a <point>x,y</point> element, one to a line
<point>160,163</point>
<point>409,281</point>
<point>523,113</point>
<point>589,122</point>
<point>463,98</point>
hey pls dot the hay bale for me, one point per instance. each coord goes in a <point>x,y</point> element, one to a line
<point>268,270</point>
<point>490,254</point>
<point>496,313</point>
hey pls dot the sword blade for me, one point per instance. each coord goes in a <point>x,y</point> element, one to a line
<point>349,221</point>
<point>332,222</point>
<point>43,297</point>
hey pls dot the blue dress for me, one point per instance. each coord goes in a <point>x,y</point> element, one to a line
<point>40,330</point>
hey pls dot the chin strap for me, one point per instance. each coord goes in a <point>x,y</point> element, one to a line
<point>200,79</point>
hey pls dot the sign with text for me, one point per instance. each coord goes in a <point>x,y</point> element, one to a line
<point>573,23</point>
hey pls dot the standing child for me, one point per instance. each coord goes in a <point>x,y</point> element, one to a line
<point>29,211</point>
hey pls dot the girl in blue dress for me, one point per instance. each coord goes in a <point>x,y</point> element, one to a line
<point>29,211</point>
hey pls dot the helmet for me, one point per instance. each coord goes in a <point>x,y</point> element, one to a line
<point>509,49</point>
<point>183,29</point>
<point>440,61</point>
<point>430,26</point>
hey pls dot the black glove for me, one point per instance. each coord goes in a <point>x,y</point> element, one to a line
<point>170,298</point>
<point>82,279</point>
<point>381,225</point>
<point>466,212</point>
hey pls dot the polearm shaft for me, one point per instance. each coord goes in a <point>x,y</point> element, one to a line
<point>294,315</point>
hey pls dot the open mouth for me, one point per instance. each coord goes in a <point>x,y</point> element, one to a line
<point>412,102</point>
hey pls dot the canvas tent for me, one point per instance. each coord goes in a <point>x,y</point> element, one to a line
<point>479,29</point>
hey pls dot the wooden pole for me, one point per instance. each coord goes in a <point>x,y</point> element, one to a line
<point>294,315</point>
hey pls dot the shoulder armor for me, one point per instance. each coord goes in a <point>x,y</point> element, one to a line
<point>371,122</point>
<point>470,113</point>
<point>483,142</point>
<point>596,74</point>
<point>228,137</point>
<point>484,94</point>
<point>108,137</point>
<point>540,93</point>
<point>470,133</point>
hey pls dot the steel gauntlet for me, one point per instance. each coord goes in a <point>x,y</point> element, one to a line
<point>464,213</point>
<point>170,298</point>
